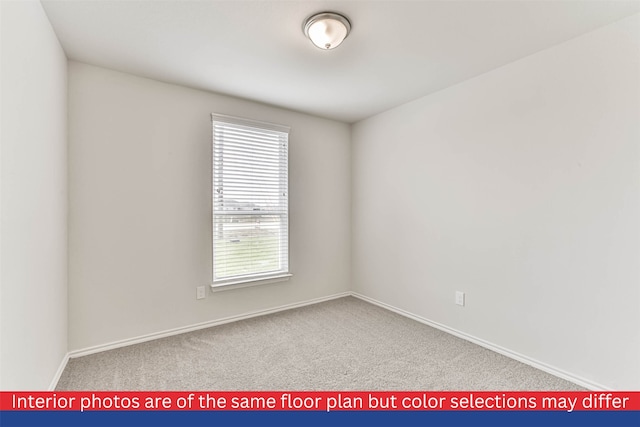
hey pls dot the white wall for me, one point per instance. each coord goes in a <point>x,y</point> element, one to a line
<point>140,207</point>
<point>34,199</point>
<point>521,188</point>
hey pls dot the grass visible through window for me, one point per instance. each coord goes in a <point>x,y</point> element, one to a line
<point>247,248</point>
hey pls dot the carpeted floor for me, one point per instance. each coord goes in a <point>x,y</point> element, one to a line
<point>344,344</point>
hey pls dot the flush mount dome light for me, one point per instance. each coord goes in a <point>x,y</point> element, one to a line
<point>327,30</point>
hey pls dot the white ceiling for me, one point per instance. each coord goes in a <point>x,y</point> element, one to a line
<point>397,51</point>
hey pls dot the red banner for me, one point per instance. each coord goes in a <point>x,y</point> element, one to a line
<point>320,401</point>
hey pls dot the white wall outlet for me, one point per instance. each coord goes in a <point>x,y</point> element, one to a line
<point>200,292</point>
<point>460,298</point>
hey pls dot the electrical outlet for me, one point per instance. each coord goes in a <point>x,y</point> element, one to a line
<point>201,292</point>
<point>460,298</point>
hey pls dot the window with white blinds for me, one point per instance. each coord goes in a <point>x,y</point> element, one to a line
<point>250,201</point>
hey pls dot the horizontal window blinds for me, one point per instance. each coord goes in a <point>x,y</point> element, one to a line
<point>250,200</point>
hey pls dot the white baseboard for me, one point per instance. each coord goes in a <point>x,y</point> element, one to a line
<point>197,326</point>
<point>58,374</point>
<point>493,347</point>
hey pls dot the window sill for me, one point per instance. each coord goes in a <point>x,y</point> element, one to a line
<point>245,283</point>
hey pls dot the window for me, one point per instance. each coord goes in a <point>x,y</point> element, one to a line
<point>250,201</point>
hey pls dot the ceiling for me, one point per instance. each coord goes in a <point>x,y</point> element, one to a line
<point>397,50</point>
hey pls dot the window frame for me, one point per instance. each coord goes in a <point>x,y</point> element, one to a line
<point>252,279</point>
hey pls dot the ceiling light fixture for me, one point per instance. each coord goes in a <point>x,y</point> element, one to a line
<point>327,30</point>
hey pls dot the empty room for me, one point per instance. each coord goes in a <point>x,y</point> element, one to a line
<point>320,195</point>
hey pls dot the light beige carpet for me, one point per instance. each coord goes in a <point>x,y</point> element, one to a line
<point>344,344</point>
